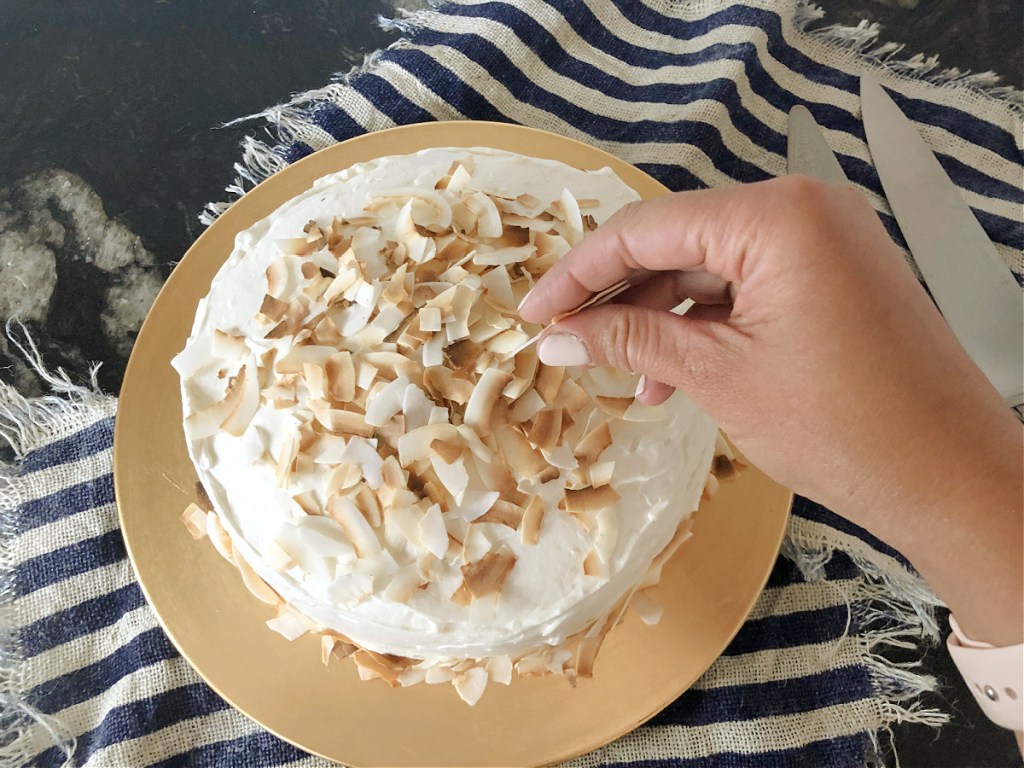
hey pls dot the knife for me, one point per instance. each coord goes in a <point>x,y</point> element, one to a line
<point>971,285</point>
<point>807,152</point>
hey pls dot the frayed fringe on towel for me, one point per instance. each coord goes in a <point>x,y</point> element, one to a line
<point>892,607</point>
<point>26,424</point>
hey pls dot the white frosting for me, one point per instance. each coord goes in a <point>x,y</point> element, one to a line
<point>660,467</point>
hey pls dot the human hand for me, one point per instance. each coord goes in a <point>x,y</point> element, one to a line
<point>812,344</point>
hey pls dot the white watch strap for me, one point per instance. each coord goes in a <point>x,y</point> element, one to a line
<point>994,675</point>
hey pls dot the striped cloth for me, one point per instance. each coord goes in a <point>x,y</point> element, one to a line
<point>696,94</point>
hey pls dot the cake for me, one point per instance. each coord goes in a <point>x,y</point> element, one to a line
<point>383,457</point>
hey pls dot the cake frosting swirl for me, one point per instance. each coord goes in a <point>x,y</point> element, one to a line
<point>385,458</point>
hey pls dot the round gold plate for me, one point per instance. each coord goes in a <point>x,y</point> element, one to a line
<point>707,589</point>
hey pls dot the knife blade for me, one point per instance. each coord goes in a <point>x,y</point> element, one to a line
<point>807,152</point>
<point>973,288</point>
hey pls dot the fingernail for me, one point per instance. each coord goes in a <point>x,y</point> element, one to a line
<point>563,349</point>
<point>522,303</point>
<point>640,386</point>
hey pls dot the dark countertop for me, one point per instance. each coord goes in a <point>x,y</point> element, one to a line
<point>109,113</point>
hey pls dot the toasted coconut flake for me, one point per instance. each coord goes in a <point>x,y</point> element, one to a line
<point>403,585</point>
<point>535,664</point>
<point>354,524</point>
<point>481,403</point>
<point>590,499</point>
<point>291,322</point>
<point>368,504</point>
<point>573,218</point>
<point>297,357</point>
<point>194,519</point>
<point>593,565</point>
<point>475,504</point>
<point>289,624</point>
<point>470,685</point>
<point>285,457</point>
<point>432,531</point>
<point>448,451</point>
<point>366,374</point>
<point>415,445</point>
<point>549,381</point>
<point>499,668</point>
<point>615,407</point>
<point>594,442</point>
<point>561,456</point>
<point>277,278</point>
<point>462,596</point>
<point>571,396</point>
<point>586,655</point>
<point>340,422</point>
<point>453,476</point>
<point>725,468</point>
<point>488,574</point>
<point>498,286</point>
<point>294,246</point>
<point>522,457</point>
<point>506,342</point>
<point>257,586</point>
<point>275,557</point>
<point>488,222</point>
<point>307,503</point>
<point>376,666</point>
<point>475,544</point>
<point>392,472</point>
<point>207,421</point>
<point>439,674</point>
<point>341,376</point>
<point>550,245</point>
<point>601,473</point>
<point>533,517</point>
<point>460,178</point>
<point>479,449</point>
<point>430,319</point>
<point>464,354</point>
<point>363,453</point>
<point>526,364</point>
<point>526,407</point>
<point>394,363</point>
<point>648,609</point>
<point>502,257</point>
<point>272,308</point>
<point>384,402</point>
<point>335,646</point>
<point>346,278</point>
<point>436,213</point>
<point>503,513</point>
<point>546,429</point>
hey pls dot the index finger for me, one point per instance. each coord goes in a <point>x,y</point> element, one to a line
<point>667,233</point>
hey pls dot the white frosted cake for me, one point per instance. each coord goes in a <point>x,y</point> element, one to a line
<point>385,459</point>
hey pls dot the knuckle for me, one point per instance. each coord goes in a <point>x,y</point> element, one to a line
<point>806,192</point>
<point>627,339</point>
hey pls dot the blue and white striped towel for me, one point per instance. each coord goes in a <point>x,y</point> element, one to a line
<point>696,94</point>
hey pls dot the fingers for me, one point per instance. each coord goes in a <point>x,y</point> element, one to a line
<point>676,232</point>
<point>676,351</point>
<point>667,290</point>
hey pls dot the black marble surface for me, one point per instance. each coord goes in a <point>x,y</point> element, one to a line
<point>109,113</point>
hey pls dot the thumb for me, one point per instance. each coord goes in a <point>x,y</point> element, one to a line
<point>679,351</point>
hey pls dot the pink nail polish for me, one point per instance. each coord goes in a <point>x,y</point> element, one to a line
<point>563,349</point>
